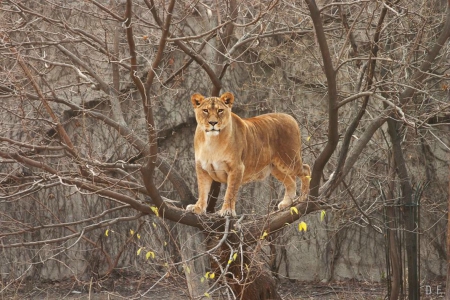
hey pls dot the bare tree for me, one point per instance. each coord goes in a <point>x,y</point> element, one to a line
<point>91,90</point>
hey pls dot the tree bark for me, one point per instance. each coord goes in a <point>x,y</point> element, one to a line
<point>251,279</point>
<point>191,243</point>
<point>447,290</point>
<point>337,178</point>
<point>333,134</point>
<point>409,210</point>
<point>394,255</point>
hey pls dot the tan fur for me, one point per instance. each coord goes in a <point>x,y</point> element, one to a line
<point>235,151</point>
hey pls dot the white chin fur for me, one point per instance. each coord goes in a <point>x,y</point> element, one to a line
<point>212,133</point>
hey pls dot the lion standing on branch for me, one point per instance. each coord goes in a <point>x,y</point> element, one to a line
<point>236,151</point>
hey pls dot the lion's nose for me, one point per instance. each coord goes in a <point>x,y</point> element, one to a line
<point>212,123</point>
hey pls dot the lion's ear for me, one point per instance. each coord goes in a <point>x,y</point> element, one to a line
<point>197,99</point>
<point>227,99</point>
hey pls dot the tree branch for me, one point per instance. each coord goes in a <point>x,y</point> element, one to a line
<point>333,134</point>
<point>59,128</point>
<point>336,178</point>
<point>198,59</point>
<point>420,75</point>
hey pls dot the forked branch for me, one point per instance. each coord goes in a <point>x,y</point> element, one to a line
<point>333,134</point>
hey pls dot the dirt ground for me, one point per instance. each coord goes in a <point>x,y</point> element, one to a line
<point>168,288</point>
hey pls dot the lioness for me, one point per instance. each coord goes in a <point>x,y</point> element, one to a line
<point>235,151</point>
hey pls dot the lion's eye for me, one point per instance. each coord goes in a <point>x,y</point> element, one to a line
<point>205,111</point>
<point>220,111</point>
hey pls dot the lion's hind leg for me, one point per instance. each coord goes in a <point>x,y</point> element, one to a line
<point>305,177</point>
<point>290,186</point>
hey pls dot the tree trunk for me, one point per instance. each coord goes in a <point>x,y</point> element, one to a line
<point>191,243</point>
<point>394,255</point>
<point>251,279</point>
<point>447,290</point>
<point>263,287</point>
<point>409,210</point>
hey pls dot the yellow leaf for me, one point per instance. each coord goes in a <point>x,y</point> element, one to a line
<point>138,236</point>
<point>263,236</point>
<point>302,226</point>
<point>207,275</point>
<point>294,210</point>
<point>308,177</point>
<point>155,210</point>
<point>247,268</point>
<point>202,279</point>
<point>107,232</point>
<point>212,275</point>
<point>322,215</point>
<point>308,138</point>
<point>230,261</point>
<point>165,243</point>
<point>131,231</point>
<point>154,225</point>
<point>186,269</point>
<point>139,251</point>
<point>207,295</point>
<point>149,254</point>
<point>235,256</point>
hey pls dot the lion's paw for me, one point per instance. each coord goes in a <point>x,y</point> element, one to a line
<point>195,209</point>
<point>283,204</point>
<point>227,212</point>
<point>303,198</point>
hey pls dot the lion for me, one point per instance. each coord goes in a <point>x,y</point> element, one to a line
<point>236,151</point>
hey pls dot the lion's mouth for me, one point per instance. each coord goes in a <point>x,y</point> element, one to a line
<point>212,131</point>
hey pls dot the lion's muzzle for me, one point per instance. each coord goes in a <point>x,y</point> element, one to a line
<point>212,132</point>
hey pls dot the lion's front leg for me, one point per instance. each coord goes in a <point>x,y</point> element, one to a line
<point>204,182</point>
<point>234,180</point>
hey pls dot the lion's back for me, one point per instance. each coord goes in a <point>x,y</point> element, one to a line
<point>276,130</point>
<point>271,137</point>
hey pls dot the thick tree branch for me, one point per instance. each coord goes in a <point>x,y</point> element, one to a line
<point>278,220</point>
<point>336,178</point>
<point>333,134</point>
<point>356,151</point>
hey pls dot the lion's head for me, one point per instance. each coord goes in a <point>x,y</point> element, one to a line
<point>213,114</point>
